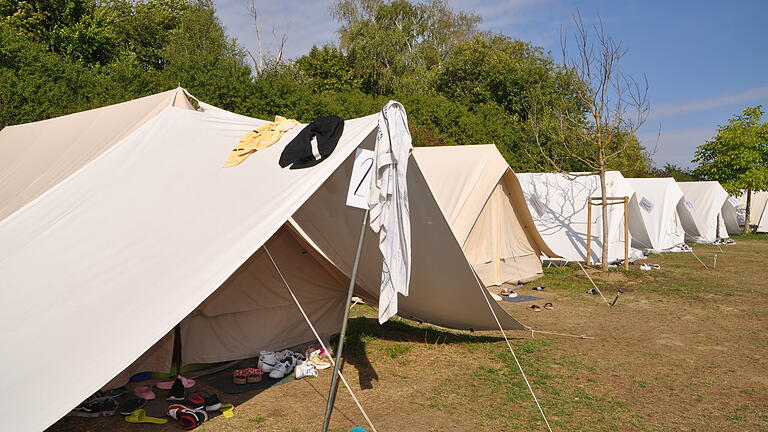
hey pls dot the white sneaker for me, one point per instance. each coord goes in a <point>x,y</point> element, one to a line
<point>283,355</point>
<point>283,368</point>
<point>267,361</point>
<point>305,369</point>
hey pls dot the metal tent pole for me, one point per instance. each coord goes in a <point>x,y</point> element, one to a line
<point>337,367</point>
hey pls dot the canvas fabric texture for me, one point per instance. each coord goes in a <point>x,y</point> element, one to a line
<point>660,218</point>
<point>563,224</point>
<point>706,200</point>
<point>36,156</point>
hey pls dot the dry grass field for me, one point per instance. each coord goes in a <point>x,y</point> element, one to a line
<point>684,349</point>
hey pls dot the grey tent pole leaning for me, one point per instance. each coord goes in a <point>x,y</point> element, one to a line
<point>337,367</point>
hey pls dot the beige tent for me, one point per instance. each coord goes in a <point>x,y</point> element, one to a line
<point>481,198</point>
<point>145,230</point>
<point>36,156</point>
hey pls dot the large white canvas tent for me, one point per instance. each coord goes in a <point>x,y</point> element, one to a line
<point>148,231</point>
<point>558,204</point>
<point>481,197</point>
<point>658,199</point>
<point>713,214</point>
<point>758,215</point>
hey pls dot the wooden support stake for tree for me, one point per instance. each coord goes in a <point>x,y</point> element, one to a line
<point>589,229</point>
<point>626,233</point>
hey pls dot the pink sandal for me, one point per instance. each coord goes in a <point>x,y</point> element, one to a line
<point>144,392</point>
<point>166,385</point>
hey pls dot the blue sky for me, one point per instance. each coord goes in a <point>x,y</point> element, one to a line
<point>705,60</point>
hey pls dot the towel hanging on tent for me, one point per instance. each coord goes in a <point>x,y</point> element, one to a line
<point>388,203</point>
<point>259,138</point>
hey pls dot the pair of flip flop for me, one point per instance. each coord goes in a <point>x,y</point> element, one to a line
<point>140,416</point>
<point>537,308</point>
<point>166,385</point>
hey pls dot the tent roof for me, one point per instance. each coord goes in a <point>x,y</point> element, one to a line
<point>146,231</point>
<point>462,179</point>
<point>36,156</point>
<point>660,219</point>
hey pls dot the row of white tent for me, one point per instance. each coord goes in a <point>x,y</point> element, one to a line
<point>662,213</point>
<point>117,224</point>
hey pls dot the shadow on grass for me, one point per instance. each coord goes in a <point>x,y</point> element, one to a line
<point>363,329</point>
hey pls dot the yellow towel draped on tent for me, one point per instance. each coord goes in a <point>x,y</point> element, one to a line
<point>260,138</point>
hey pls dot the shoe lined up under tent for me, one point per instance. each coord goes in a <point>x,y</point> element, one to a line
<point>558,204</point>
<point>659,200</point>
<point>137,228</point>
<point>482,199</point>
<point>713,213</point>
<point>758,215</point>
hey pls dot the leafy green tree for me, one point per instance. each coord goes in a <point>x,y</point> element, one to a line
<point>76,28</point>
<point>328,70</point>
<point>387,40</point>
<point>676,172</point>
<point>737,156</point>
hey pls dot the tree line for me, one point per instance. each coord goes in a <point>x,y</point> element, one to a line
<point>460,85</point>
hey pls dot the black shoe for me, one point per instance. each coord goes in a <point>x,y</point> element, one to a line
<point>195,401</point>
<point>212,402</point>
<point>593,291</point>
<point>177,392</point>
<point>104,406</point>
<point>128,406</point>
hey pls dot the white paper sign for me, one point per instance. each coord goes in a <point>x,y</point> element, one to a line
<point>690,204</point>
<point>734,201</point>
<point>646,204</point>
<point>360,182</point>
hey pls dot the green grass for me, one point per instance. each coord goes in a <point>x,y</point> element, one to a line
<point>397,350</point>
<point>257,420</point>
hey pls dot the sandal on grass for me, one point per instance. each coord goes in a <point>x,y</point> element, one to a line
<point>140,416</point>
<point>535,308</point>
<point>549,306</point>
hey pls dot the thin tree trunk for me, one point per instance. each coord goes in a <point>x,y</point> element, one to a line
<point>747,227</point>
<point>604,220</point>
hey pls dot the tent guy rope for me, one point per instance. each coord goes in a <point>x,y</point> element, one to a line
<point>509,345</point>
<point>593,283</point>
<point>319,339</point>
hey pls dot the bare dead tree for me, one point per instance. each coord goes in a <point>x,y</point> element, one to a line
<point>263,58</point>
<point>610,108</point>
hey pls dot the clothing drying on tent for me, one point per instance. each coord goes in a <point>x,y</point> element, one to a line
<point>658,199</point>
<point>121,238</point>
<point>481,198</point>
<point>558,204</point>
<point>713,215</point>
<point>758,215</point>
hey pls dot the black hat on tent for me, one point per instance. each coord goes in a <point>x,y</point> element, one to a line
<point>313,144</point>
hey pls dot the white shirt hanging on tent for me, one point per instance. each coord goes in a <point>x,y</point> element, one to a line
<point>388,201</point>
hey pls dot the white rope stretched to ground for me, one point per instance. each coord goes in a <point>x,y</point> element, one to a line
<point>509,345</point>
<point>319,339</point>
<point>593,282</point>
<point>697,257</point>
<point>561,334</point>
